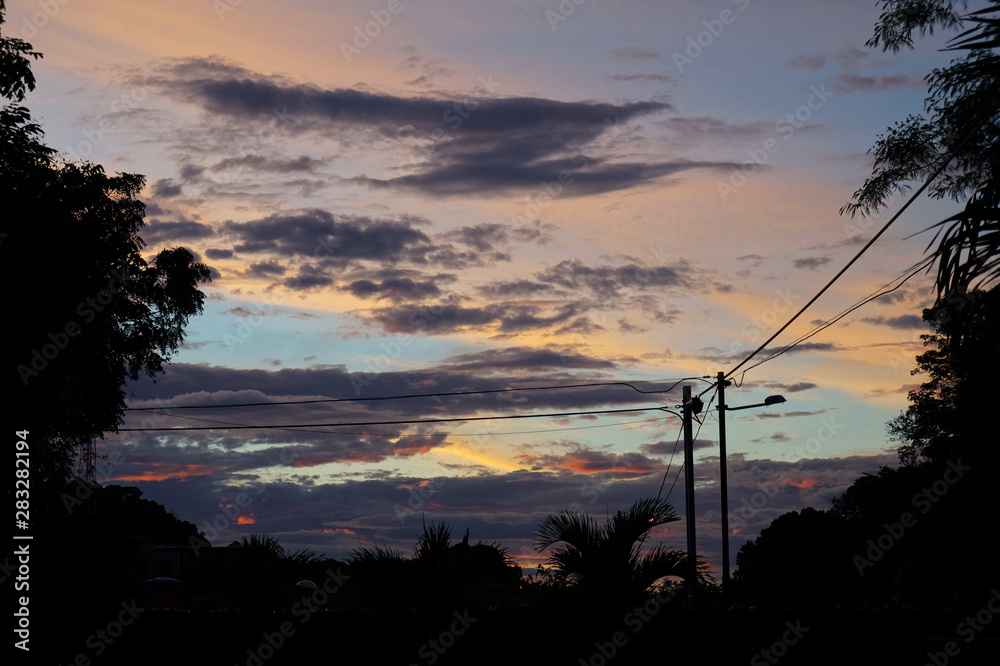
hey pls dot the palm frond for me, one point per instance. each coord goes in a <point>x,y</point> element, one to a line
<point>436,539</point>
<point>984,35</point>
<point>577,529</point>
<point>374,555</point>
<point>968,246</point>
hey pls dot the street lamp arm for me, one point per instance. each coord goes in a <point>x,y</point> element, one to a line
<point>770,400</point>
<point>733,409</point>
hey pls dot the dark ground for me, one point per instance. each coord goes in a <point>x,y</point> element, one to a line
<point>533,636</point>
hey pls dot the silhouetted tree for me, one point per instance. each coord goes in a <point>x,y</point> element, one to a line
<point>439,573</point>
<point>607,563</point>
<point>88,312</point>
<point>802,559</point>
<point>952,413</point>
<point>253,572</point>
<point>961,124</point>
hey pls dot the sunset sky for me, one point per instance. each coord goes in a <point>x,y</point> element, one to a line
<point>423,196</point>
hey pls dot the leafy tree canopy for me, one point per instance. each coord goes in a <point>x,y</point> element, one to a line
<point>87,311</point>
<point>958,131</point>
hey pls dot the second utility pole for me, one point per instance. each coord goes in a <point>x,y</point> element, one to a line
<point>692,551</point>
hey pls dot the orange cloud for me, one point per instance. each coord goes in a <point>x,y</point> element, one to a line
<point>583,461</point>
<point>804,483</point>
<point>332,530</point>
<point>165,471</point>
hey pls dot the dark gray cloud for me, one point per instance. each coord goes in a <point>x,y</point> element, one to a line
<point>848,83</point>
<point>346,242</point>
<point>851,58</point>
<point>644,78</point>
<point>812,61</point>
<point>717,355</point>
<point>607,281</point>
<point>398,289</point>
<point>309,277</point>
<point>588,461</point>
<point>468,176</point>
<point>521,287</point>
<point>787,415</point>
<point>522,358</point>
<point>906,321</point>
<point>709,127</point>
<point>633,53</point>
<point>754,260</point>
<point>481,146</point>
<point>315,233</point>
<point>157,232</point>
<point>218,253</point>
<point>266,269</point>
<point>811,263</point>
<point>666,448</point>
<point>166,188</point>
<point>303,163</point>
<point>789,388</point>
<point>499,318</point>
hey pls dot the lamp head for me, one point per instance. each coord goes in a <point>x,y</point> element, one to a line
<point>774,400</point>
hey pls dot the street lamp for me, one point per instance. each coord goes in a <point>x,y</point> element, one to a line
<point>723,472</point>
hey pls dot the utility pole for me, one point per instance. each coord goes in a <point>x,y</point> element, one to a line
<point>722,383</point>
<point>692,551</point>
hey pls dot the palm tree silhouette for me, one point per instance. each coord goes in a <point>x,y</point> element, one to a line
<point>608,563</point>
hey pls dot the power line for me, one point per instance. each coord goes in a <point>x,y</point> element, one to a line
<point>878,293</point>
<point>463,434</point>
<point>422,395</point>
<point>670,462</point>
<point>397,422</point>
<point>918,192</point>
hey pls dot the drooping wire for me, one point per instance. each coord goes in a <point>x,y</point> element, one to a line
<point>286,426</point>
<point>422,395</point>
<point>463,434</point>
<point>944,164</point>
<point>878,293</point>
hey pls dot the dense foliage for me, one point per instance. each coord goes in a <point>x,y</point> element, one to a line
<point>88,311</point>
